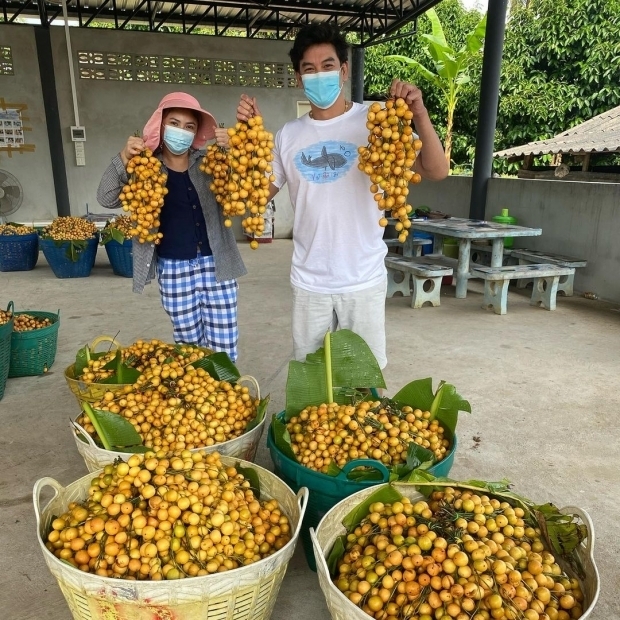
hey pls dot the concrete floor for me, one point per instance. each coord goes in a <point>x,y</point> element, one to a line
<point>544,388</point>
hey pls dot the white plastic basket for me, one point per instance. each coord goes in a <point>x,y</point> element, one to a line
<point>242,447</point>
<point>330,528</point>
<point>246,593</point>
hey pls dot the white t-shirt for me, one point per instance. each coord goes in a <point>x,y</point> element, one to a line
<point>338,244</point>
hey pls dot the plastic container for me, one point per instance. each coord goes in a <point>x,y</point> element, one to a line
<point>341,608</point>
<point>34,352</point>
<point>121,257</point>
<point>426,249</point>
<point>19,252</point>
<point>504,218</point>
<point>246,593</point>
<point>5,349</point>
<point>62,265</point>
<point>326,491</point>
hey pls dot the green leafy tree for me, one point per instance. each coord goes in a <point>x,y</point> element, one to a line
<point>450,71</point>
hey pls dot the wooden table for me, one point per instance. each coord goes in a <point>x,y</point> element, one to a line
<point>465,231</point>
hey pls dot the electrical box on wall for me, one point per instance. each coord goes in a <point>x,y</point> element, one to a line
<point>78,134</point>
<point>80,154</point>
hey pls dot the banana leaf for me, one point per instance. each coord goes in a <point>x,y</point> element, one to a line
<point>444,405</point>
<point>123,374</point>
<point>219,366</point>
<point>345,361</point>
<point>82,358</point>
<point>74,249</point>
<point>260,414</point>
<point>335,554</point>
<point>115,432</point>
<point>386,494</point>
<point>282,438</point>
<point>250,474</point>
<point>111,234</point>
<point>418,458</point>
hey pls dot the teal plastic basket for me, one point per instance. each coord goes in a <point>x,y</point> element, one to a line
<point>326,491</point>
<point>5,349</point>
<point>33,352</point>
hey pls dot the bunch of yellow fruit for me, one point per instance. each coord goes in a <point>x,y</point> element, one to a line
<point>13,230</point>
<point>27,322</point>
<point>68,228</point>
<point>123,224</point>
<point>388,160</point>
<point>156,517</point>
<point>461,555</point>
<point>176,408</point>
<point>143,196</point>
<point>5,316</point>
<point>341,433</point>
<point>242,174</point>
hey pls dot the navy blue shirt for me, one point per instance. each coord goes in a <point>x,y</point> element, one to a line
<point>182,222</point>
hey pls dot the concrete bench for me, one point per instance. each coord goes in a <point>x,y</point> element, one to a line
<point>481,255</point>
<point>411,247</point>
<point>497,279</point>
<point>426,276</point>
<point>528,257</point>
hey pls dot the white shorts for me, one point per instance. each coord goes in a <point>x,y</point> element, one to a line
<point>363,312</point>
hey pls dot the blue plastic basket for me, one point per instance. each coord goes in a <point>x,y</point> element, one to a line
<point>426,249</point>
<point>121,257</point>
<point>62,265</point>
<point>19,252</point>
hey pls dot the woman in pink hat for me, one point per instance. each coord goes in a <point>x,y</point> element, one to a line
<point>197,262</point>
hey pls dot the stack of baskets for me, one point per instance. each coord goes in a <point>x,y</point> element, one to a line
<point>33,352</point>
<point>6,330</point>
<point>19,252</point>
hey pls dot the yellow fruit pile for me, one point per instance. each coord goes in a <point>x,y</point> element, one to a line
<point>10,229</point>
<point>341,433</point>
<point>388,160</point>
<point>155,518</point>
<point>27,323</point>
<point>176,408</point>
<point>70,228</point>
<point>123,224</point>
<point>141,355</point>
<point>144,195</point>
<point>241,175</point>
<point>461,555</point>
<point>5,317</point>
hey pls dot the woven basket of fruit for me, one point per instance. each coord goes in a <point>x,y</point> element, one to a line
<point>69,245</point>
<point>19,247</point>
<point>98,431</point>
<point>445,549</point>
<point>354,440</point>
<point>116,237</point>
<point>218,555</point>
<point>34,342</point>
<point>6,329</point>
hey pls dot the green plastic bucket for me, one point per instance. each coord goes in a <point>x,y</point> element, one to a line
<point>326,491</point>
<point>5,350</point>
<point>34,352</point>
<point>504,218</point>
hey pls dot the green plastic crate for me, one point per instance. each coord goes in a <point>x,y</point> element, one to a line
<point>5,350</point>
<point>326,491</point>
<point>34,352</point>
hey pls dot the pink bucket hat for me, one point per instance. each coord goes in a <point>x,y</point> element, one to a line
<point>152,130</point>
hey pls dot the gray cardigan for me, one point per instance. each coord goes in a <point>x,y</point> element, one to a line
<point>228,262</point>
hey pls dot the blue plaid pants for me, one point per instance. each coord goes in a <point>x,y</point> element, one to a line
<point>203,311</point>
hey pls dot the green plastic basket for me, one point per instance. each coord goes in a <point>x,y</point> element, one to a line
<point>34,352</point>
<point>5,350</point>
<point>326,491</point>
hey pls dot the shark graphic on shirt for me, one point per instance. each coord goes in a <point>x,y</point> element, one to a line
<point>325,161</point>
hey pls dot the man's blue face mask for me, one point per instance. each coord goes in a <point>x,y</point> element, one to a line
<point>323,88</point>
<point>177,140</point>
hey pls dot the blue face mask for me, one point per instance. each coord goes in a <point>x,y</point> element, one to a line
<point>177,140</point>
<point>322,89</point>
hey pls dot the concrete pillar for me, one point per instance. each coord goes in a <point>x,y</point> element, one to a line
<point>487,108</point>
<point>357,74</point>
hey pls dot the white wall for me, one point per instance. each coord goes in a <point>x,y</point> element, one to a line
<point>33,170</point>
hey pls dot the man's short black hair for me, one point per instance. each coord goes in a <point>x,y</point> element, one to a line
<point>315,34</point>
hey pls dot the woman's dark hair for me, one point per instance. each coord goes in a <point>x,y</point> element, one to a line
<point>315,34</point>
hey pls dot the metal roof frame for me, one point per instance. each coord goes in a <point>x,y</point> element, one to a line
<point>372,20</point>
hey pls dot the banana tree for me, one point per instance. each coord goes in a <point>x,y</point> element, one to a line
<point>450,67</point>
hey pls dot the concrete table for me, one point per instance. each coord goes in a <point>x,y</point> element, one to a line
<point>465,231</point>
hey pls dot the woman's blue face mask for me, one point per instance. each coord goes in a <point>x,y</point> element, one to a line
<point>323,88</point>
<point>178,140</point>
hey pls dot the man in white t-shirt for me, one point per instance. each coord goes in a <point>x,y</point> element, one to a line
<point>338,273</point>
